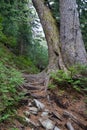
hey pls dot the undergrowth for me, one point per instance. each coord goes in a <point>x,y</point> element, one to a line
<point>10,94</point>
<point>22,63</point>
<point>76,77</point>
<point>11,79</point>
<point>25,64</point>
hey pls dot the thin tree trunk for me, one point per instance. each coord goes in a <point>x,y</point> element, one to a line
<point>21,47</point>
<point>51,33</point>
<point>72,47</point>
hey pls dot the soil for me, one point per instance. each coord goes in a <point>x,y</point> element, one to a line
<point>58,101</point>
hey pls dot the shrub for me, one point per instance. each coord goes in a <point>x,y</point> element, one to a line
<point>10,80</point>
<point>76,76</point>
<point>25,64</point>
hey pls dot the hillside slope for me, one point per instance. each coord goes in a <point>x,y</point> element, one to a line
<point>21,63</point>
<point>11,68</point>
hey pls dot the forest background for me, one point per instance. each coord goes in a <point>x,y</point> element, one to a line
<point>23,46</point>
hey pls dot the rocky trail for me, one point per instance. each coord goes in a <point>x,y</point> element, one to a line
<point>44,109</point>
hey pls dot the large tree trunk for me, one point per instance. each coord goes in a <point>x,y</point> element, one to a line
<point>72,46</point>
<point>51,33</point>
<point>71,50</point>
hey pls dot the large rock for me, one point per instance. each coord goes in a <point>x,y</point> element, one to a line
<point>28,121</point>
<point>33,110</point>
<point>44,114</point>
<point>47,124</point>
<point>39,105</point>
<point>56,128</point>
<point>27,113</point>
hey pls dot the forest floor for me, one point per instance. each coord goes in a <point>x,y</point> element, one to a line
<point>42,109</point>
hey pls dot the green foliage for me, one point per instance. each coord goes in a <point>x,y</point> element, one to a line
<point>14,129</point>
<point>25,64</point>
<point>10,80</point>
<point>39,54</point>
<point>82,8</point>
<point>22,63</point>
<point>2,36</point>
<point>16,24</point>
<point>9,41</point>
<point>76,77</point>
<point>51,86</point>
<point>55,8</point>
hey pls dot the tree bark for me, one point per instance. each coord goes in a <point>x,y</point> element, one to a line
<point>72,46</point>
<point>51,33</point>
<point>71,50</point>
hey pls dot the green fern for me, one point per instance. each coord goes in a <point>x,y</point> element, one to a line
<point>76,76</point>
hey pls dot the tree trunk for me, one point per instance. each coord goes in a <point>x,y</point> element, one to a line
<point>51,33</point>
<point>72,50</point>
<point>72,46</point>
<point>21,47</point>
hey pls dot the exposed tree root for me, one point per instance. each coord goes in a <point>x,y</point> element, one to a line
<point>74,118</point>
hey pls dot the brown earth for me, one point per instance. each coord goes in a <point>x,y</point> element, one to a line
<point>64,105</point>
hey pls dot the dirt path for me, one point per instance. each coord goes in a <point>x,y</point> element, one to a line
<point>45,109</point>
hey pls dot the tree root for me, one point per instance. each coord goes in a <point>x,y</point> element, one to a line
<point>71,116</point>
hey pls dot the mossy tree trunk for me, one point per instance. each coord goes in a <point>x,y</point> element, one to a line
<point>51,33</point>
<point>72,49</point>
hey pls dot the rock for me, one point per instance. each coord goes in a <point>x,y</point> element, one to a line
<point>29,104</point>
<point>23,120</point>
<point>47,124</point>
<point>58,116</point>
<point>27,113</point>
<point>44,114</point>
<point>39,105</point>
<point>46,110</point>
<point>33,110</point>
<point>34,124</point>
<point>56,128</point>
<point>28,121</point>
<point>69,126</point>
